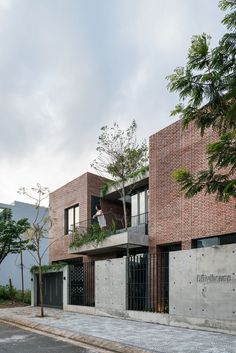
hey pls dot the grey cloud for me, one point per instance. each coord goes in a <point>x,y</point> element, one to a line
<point>67,67</point>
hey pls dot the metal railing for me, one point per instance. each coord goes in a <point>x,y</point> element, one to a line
<point>148,282</point>
<point>114,225</point>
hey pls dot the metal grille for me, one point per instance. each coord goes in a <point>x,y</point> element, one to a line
<point>148,282</point>
<point>81,284</point>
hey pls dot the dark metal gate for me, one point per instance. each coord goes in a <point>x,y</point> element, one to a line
<point>52,290</point>
<point>82,284</point>
<point>148,282</point>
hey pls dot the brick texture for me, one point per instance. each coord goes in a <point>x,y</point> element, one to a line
<point>78,191</point>
<point>172,217</point>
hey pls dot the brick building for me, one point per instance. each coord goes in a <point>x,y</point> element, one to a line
<point>161,219</point>
<point>175,221</point>
<point>73,205</point>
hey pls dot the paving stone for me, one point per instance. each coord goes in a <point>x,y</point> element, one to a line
<point>131,335</point>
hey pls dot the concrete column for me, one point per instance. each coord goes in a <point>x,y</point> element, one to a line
<point>33,290</point>
<point>65,286</point>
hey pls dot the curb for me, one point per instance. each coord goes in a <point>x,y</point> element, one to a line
<point>78,337</point>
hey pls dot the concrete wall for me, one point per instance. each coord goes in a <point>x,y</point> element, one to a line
<point>10,267</point>
<point>110,285</point>
<point>203,283</point>
<point>202,290</point>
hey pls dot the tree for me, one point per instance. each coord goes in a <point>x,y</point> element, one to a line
<point>38,231</point>
<point>207,89</point>
<point>11,231</point>
<point>120,158</point>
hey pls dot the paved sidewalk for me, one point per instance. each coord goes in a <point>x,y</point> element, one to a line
<point>122,336</point>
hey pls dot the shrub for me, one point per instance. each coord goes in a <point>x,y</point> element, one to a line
<point>11,293</point>
<point>7,292</point>
<point>27,296</point>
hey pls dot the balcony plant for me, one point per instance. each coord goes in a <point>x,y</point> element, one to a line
<point>93,234</point>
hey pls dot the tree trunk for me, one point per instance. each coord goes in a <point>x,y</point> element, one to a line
<point>22,277</point>
<point>41,290</point>
<point>124,206</point>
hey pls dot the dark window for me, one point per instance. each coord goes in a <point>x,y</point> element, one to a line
<point>71,218</point>
<point>211,241</point>
<point>94,201</point>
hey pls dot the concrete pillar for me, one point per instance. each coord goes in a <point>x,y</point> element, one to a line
<point>33,289</point>
<point>65,286</point>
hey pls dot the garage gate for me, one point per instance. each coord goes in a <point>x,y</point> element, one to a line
<point>53,290</point>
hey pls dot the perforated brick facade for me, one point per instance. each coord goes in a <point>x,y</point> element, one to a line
<point>173,218</point>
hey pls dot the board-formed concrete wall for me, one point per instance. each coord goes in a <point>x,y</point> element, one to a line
<point>110,285</point>
<point>202,283</point>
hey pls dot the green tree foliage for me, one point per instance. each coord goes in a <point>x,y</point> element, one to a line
<point>11,241</point>
<point>120,157</point>
<point>207,92</point>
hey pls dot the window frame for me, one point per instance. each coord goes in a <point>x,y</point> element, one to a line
<point>138,218</point>
<point>67,230</point>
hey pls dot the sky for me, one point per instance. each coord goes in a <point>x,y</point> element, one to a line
<point>69,67</point>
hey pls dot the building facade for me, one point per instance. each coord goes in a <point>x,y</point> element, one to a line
<point>174,219</point>
<point>168,260</point>
<point>12,266</point>
<point>160,218</point>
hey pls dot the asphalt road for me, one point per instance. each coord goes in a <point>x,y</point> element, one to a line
<point>16,340</point>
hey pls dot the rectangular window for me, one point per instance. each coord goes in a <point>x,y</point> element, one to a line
<point>71,218</point>
<point>212,241</point>
<point>134,210</point>
<point>139,207</point>
<point>142,207</point>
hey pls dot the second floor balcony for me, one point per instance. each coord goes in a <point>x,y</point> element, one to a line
<point>88,238</point>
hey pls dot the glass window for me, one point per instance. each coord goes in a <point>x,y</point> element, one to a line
<point>134,210</point>
<point>211,241</point>
<point>142,207</point>
<point>203,243</point>
<point>139,207</point>
<point>71,218</point>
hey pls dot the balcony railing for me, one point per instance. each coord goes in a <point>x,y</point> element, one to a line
<point>89,230</point>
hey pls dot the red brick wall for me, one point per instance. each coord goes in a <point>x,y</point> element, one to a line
<point>78,191</point>
<point>173,218</point>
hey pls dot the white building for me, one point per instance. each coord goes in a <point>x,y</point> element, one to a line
<point>10,268</point>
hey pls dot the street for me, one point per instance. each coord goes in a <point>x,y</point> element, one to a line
<point>16,340</point>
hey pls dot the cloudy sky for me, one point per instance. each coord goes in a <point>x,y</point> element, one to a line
<point>68,67</point>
